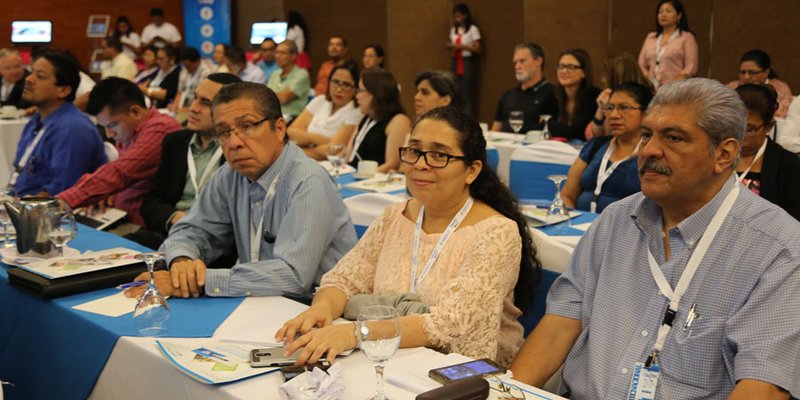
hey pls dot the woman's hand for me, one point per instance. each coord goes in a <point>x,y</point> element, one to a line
<point>331,340</point>
<point>316,316</point>
<point>602,100</point>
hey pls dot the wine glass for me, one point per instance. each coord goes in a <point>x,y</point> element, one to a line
<point>5,219</point>
<point>516,119</point>
<point>378,332</point>
<point>543,119</point>
<point>336,158</point>
<point>152,310</point>
<point>557,207</point>
<point>62,226</point>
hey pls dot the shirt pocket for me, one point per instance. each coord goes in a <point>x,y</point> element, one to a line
<point>693,357</point>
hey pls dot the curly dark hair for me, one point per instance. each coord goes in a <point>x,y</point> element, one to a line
<point>488,189</point>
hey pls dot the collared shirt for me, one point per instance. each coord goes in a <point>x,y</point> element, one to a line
<point>747,292</point>
<point>120,66</point>
<point>307,217</point>
<point>251,73</point>
<point>70,147</point>
<point>298,81</point>
<point>188,81</point>
<point>201,158</point>
<point>268,67</point>
<point>128,177</point>
<point>535,101</point>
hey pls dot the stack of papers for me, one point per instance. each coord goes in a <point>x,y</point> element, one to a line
<point>380,183</point>
<point>212,362</point>
<point>60,267</point>
<point>346,169</point>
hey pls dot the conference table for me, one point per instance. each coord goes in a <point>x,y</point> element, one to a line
<point>52,350</point>
<point>10,132</point>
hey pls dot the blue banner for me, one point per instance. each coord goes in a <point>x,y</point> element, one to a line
<point>206,23</point>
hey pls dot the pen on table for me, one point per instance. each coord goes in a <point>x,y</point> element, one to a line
<point>130,285</point>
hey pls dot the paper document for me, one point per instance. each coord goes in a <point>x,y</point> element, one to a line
<point>59,267</point>
<point>212,362</point>
<point>101,221</point>
<point>343,170</point>
<point>381,183</point>
<point>110,306</point>
<point>582,227</point>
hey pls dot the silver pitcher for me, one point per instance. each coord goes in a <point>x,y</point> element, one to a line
<point>33,219</point>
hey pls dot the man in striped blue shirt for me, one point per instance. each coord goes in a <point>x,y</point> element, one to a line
<point>629,317</point>
<point>282,210</point>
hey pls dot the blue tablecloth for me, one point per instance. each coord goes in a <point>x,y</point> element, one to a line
<point>50,350</point>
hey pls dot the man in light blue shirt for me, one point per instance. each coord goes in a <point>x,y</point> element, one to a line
<point>282,210</point>
<point>735,331</point>
<point>267,62</point>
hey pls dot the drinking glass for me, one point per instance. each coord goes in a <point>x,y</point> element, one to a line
<point>5,220</point>
<point>543,119</point>
<point>557,207</point>
<point>152,310</point>
<point>378,331</point>
<point>336,158</point>
<point>63,227</point>
<point>516,119</point>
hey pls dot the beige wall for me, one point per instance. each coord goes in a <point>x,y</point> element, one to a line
<point>414,32</point>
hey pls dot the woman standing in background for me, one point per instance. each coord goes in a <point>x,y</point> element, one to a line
<point>465,42</point>
<point>669,53</point>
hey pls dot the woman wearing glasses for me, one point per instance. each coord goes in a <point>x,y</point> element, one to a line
<point>766,168</point>
<point>384,126</point>
<point>331,117</point>
<point>669,53</point>
<point>576,95</point>
<point>476,286</point>
<point>606,170</point>
<point>756,67</point>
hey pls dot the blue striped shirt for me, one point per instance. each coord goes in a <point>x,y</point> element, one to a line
<point>747,292</point>
<point>310,223</point>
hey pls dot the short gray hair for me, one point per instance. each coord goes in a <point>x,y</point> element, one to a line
<point>292,45</point>
<point>720,111</point>
<point>267,103</point>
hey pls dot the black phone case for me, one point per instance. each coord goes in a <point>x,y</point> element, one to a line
<point>475,388</point>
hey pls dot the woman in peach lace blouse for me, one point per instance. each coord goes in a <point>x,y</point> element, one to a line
<point>484,276</point>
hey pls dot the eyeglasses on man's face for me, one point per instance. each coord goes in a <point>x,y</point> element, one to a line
<point>245,129</point>
<point>434,159</point>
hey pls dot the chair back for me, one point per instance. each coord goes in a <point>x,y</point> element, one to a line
<point>530,166</point>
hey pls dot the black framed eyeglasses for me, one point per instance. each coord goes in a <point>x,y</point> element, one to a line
<point>568,67</point>
<point>434,159</point>
<point>244,129</point>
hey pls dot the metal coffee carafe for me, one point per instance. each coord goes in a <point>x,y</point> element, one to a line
<point>33,219</point>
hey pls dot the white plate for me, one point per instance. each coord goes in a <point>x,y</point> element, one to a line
<point>11,257</point>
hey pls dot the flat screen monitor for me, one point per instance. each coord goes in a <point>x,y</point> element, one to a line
<point>31,31</point>
<point>263,30</point>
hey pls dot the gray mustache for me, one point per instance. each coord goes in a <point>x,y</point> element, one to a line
<point>650,164</point>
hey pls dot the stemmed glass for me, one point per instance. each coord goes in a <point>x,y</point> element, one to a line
<point>378,331</point>
<point>336,158</point>
<point>543,119</point>
<point>62,227</point>
<point>516,119</point>
<point>557,207</point>
<point>5,219</point>
<point>152,310</point>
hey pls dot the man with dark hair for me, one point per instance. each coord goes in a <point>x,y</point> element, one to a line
<point>337,52</point>
<point>281,209</point>
<point>58,144</point>
<point>120,108</point>
<point>193,71</point>
<point>117,63</point>
<point>237,63</point>
<point>158,32</point>
<point>534,95</point>
<point>267,57</point>
<point>12,79</point>
<point>290,83</point>
<point>178,181</point>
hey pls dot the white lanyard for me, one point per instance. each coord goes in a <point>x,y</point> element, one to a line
<point>604,173</point>
<point>454,223</point>
<point>660,52</point>
<point>740,177</point>
<point>206,173</point>
<point>362,133</point>
<point>688,273</point>
<point>256,234</point>
<point>23,161</point>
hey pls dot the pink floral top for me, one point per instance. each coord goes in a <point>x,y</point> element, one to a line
<point>470,288</point>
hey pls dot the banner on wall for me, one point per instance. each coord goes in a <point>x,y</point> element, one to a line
<point>207,23</point>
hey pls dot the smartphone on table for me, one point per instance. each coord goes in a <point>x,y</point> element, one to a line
<point>452,373</point>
